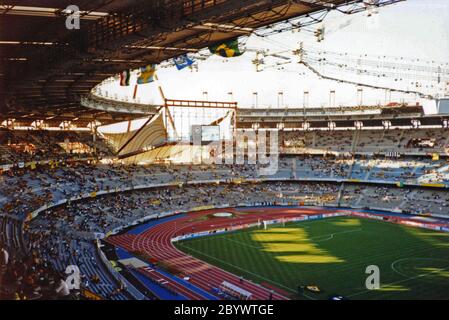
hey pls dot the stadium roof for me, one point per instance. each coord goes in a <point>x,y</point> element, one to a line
<point>45,68</point>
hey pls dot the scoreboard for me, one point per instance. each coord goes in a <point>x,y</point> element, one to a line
<point>205,134</point>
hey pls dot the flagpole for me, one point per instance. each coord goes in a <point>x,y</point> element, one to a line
<point>168,116</point>
<point>160,88</point>
<point>135,92</point>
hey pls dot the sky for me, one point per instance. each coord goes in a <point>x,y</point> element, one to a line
<point>416,30</point>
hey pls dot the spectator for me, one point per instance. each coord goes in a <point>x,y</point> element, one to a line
<point>4,257</point>
<point>62,290</point>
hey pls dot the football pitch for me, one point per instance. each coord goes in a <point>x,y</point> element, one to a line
<point>332,255</point>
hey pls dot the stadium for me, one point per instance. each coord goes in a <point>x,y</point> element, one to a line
<point>224,150</point>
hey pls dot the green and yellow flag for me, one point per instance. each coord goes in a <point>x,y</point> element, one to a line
<point>227,49</point>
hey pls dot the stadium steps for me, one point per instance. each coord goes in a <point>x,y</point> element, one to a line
<point>355,140</point>
<point>368,174</point>
<point>351,169</point>
<point>89,265</point>
<point>340,193</point>
<point>9,233</point>
<point>398,146</point>
<point>3,229</point>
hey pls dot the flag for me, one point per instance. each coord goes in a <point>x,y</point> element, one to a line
<point>227,49</point>
<point>182,61</point>
<point>147,74</point>
<point>125,76</point>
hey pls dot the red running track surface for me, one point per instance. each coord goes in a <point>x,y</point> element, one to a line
<point>156,242</point>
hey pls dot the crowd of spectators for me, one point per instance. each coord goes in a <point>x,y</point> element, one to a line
<point>25,146</point>
<point>67,231</point>
<point>29,277</point>
<point>32,266</point>
<point>404,141</point>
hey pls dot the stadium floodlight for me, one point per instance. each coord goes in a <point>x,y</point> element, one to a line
<point>93,125</point>
<point>359,96</point>
<point>386,124</point>
<point>37,124</point>
<point>306,126</point>
<point>66,125</point>
<point>9,123</point>
<point>280,99</point>
<point>416,124</point>
<point>332,98</point>
<point>256,100</point>
<point>319,34</point>
<point>306,99</point>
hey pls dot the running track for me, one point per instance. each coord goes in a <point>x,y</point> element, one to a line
<point>156,242</point>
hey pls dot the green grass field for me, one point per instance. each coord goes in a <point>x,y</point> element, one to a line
<point>333,254</point>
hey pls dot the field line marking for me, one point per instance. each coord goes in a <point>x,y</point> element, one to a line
<point>331,235</point>
<point>243,243</point>
<point>392,265</point>
<point>400,281</point>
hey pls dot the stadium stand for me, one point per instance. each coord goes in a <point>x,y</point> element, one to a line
<point>79,193</point>
<point>36,145</point>
<point>53,211</point>
<point>402,141</point>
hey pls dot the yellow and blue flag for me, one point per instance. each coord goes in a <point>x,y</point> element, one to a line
<point>147,74</point>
